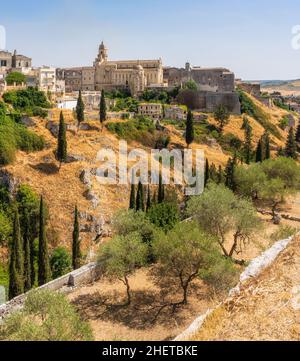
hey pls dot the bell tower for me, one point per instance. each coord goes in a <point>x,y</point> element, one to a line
<point>102,53</point>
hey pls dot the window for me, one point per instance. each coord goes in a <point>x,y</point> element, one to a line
<point>3,62</point>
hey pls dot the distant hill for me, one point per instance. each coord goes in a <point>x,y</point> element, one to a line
<point>286,87</point>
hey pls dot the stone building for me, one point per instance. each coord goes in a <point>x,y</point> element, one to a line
<point>216,86</point>
<point>251,88</point>
<point>152,110</point>
<point>14,62</point>
<point>136,75</point>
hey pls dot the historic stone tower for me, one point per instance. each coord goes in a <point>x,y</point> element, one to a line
<point>103,53</point>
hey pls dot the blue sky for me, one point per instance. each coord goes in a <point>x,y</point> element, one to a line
<point>251,38</point>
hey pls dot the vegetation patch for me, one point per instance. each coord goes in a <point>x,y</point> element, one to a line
<point>248,107</point>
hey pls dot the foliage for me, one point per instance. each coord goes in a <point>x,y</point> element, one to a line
<point>128,104</point>
<point>102,108</point>
<point>283,232</point>
<point>248,107</point>
<point>220,213</point>
<point>140,129</point>
<point>189,132</point>
<point>47,316</point>
<point>191,85</point>
<point>281,104</point>
<point>291,146</point>
<point>120,257</point>
<point>80,109</point>
<point>15,136</point>
<point>184,254</point>
<point>16,263</point>
<point>76,253</point>
<point>284,122</point>
<point>44,269</point>
<point>5,227</point>
<point>26,100</point>
<point>61,153</point>
<point>140,204</point>
<point>222,116</point>
<point>164,215</point>
<point>126,222</point>
<point>15,78</point>
<point>60,262</point>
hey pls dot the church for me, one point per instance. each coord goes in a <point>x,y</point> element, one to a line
<point>136,75</point>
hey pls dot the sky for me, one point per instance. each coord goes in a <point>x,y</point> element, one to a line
<point>253,39</point>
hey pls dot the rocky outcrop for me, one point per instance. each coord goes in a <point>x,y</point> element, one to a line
<point>9,181</point>
<point>91,196</point>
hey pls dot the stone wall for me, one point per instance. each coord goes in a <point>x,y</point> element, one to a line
<point>84,275</point>
<point>209,101</point>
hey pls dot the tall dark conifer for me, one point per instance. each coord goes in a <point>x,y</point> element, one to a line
<point>248,143</point>
<point>27,253</point>
<point>291,147</point>
<point>148,205</point>
<point>132,196</point>
<point>189,132</point>
<point>103,115</point>
<point>61,153</point>
<point>229,174</point>
<point>161,190</point>
<point>80,109</point>
<point>259,152</point>
<point>16,264</point>
<point>206,173</point>
<point>267,146</point>
<point>76,254</point>
<point>297,137</point>
<point>44,270</point>
<point>140,198</point>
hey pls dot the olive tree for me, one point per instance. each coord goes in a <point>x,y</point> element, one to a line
<point>224,215</point>
<point>184,254</point>
<point>46,316</point>
<point>121,256</point>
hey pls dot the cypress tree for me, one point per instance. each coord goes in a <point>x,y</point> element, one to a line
<point>220,175</point>
<point>189,133</point>
<point>298,133</point>
<point>80,109</point>
<point>267,146</point>
<point>132,197</point>
<point>16,264</point>
<point>259,152</point>
<point>61,153</point>
<point>102,108</point>
<point>27,253</point>
<point>161,190</point>
<point>291,147</point>
<point>140,198</point>
<point>148,206</point>
<point>32,257</point>
<point>229,174</point>
<point>248,143</point>
<point>76,254</point>
<point>44,270</point>
<point>206,173</point>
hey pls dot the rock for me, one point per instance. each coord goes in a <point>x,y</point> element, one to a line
<point>27,121</point>
<point>85,177</point>
<point>91,196</point>
<point>53,128</point>
<point>86,126</point>
<point>75,158</point>
<point>9,181</point>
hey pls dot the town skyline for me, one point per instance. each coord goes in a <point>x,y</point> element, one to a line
<point>232,35</point>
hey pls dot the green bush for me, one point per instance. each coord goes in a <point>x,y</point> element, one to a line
<point>15,136</point>
<point>47,316</point>
<point>164,215</point>
<point>248,107</point>
<point>27,99</point>
<point>60,262</point>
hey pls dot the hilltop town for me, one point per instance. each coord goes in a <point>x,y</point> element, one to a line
<point>138,261</point>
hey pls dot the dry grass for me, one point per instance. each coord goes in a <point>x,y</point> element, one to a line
<point>99,304</point>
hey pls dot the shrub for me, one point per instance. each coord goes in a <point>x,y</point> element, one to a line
<point>164,215</point>
<point>47,316</point>
<point>15,77</point>
<point>283,232</point>
<point>60,262</point>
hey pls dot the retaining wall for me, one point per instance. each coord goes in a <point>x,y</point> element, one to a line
<point>255,268</point>
<point>84,275</point>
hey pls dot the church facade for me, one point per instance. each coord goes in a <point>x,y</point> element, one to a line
<point>135,75</point>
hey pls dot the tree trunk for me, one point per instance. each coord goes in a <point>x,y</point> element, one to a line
<point>127,291</point>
